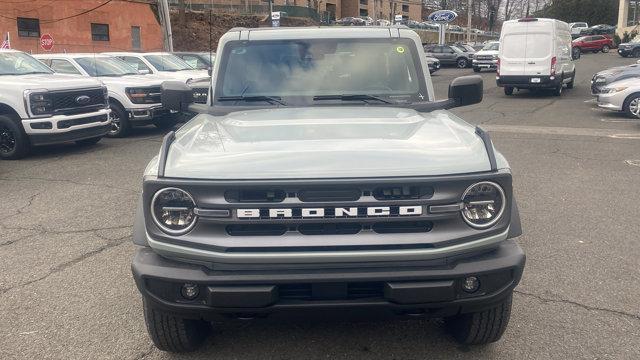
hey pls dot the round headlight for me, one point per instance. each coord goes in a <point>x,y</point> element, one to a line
<point>483,204</point>
<point>172,210</point>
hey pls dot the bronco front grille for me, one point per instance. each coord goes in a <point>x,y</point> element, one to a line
<point>349,228</point>
<point>340,291</point>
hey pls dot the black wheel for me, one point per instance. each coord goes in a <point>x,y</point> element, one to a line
<point>482,327</point>
<point>89,141</point>
<point>605,49</point>
<point>462,63</point>
<point>636,52</point>
<point>120,125</point>
<point>573,79</point>
<point>14,143</point>
<point>164,123</point>
<point>172,333</point>
<point>476,69</point>
<point>508,90</point>
<point>558,90</point>
<point>631,105</point>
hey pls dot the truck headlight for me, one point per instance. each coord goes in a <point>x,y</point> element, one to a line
<point>40,103</point>
<point>483,204</point>
<point>143,95</point>
<point>172,210</point>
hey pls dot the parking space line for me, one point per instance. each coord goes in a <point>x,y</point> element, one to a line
<point>620,120</point>
<point>549,130</point>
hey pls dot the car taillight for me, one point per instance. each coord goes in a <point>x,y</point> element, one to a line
<point>554,61</point>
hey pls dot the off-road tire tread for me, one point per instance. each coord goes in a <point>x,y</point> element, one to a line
<point>481,327</point>
<point>172,333</point>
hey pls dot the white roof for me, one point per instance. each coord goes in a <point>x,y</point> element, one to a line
<point>70,55</point>
<point>125,53</point>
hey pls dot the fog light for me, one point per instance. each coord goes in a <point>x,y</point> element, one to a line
<point>470,284</point>
<point>190,291</point>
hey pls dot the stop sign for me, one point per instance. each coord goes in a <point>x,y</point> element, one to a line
<point>46,42</point>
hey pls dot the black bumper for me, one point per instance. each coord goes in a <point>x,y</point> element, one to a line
<point>434,290</point>
<point>73,135</point>
<point>525,82</point>
<point>624,52</point>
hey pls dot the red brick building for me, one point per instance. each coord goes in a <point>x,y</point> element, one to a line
<point>82,25</point>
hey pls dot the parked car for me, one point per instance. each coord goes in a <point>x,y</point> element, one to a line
<point>162,64</point>
<point>466,48</point>
<point>449,55</point>
<point>623,96</point>
<point>383,22</point>
<point>535,53</point>
<point>606,77</point>
<point>602,29</point>
<point>487,58</point>
<point>369,196</point>
<point>434,64</point>
<point>576,27</point>
<point>197,60</point>
<point>350,21</point>
<point>134,99</point>
<point>368,21</point>
<point>594,43</point>
<point>41,107</point>
<point>632,48</point>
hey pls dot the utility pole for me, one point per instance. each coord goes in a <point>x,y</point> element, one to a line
<point>469,21</point>
<point>165,19</point>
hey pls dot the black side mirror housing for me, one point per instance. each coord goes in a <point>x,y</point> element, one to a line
<point>176,96</point>
<point>210,71</point>
<point>466,90</point>
<point>575,53</point>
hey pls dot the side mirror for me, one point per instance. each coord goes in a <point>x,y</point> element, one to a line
<point>466,90</point>
<point>210,71</point>
<point>176,96</point>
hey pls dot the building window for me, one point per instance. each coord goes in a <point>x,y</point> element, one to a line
<point>135,38</point>
<point>364,12</point>
<point>28,27</point>
<point>405,8</point>
<point>100,32</point>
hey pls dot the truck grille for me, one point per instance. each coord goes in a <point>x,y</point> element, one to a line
<point>65,124</point>
<point>65,102</point>
<point>484,57</point>
<point>349,228</point>
<point>341,291</point>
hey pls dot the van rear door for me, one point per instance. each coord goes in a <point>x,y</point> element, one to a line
<point>513,48</point>
<point>540,43</point>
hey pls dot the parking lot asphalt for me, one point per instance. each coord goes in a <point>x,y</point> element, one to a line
<point>66,291</point>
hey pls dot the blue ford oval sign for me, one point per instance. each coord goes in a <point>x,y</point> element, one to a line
<point>443,16</point>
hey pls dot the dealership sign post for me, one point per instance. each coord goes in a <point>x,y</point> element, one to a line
<point>46,42</point>
<point>442,18</point>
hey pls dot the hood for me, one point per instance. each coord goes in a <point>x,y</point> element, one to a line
<point>130,81</point>
<point>186,75</point>
<point>53,81</point>
<point>487,52</point>
<point>325,142</point>
<point>630,82</point>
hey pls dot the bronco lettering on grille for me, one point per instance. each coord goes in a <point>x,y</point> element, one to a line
<point>333,212</point>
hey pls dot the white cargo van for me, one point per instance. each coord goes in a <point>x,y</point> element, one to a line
<point>535,53</point>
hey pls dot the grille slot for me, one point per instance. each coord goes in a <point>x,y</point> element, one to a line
<point>256,230</point>
<point>349,291</point>
<point>245,196</point>
<point>329,229</point>
<point>65,124</point>
<point>325,195</point>
<point>402,192</point>
<point>402,227</point>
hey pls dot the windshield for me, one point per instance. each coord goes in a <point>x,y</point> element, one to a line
<point>167,62</point>
<point>105,66</point>
<point>308,69</point>
<point>15,63</point>
<point>492,46</point>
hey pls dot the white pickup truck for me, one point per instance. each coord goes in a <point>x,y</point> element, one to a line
<point>134,98</point>
<point>40,107</point>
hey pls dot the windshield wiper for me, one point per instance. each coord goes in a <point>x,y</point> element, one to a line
<point>361,97</point>
<point>269,99</point>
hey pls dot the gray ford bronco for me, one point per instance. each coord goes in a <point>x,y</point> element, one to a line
<point>322,173</point>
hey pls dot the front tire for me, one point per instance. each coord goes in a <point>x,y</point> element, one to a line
<point>481,327</point>
<point>120,125</point>
<point>476,69</point>
<point>164,123</point>
<point>605,49</point>
<point>14,143</point>
<point>631,105</point>
<point>558,90</point>
<point>172,333</point>
<point>508,90</point>
<point>462,63</point>
<point>572,82</point>
<point>636,53</point>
